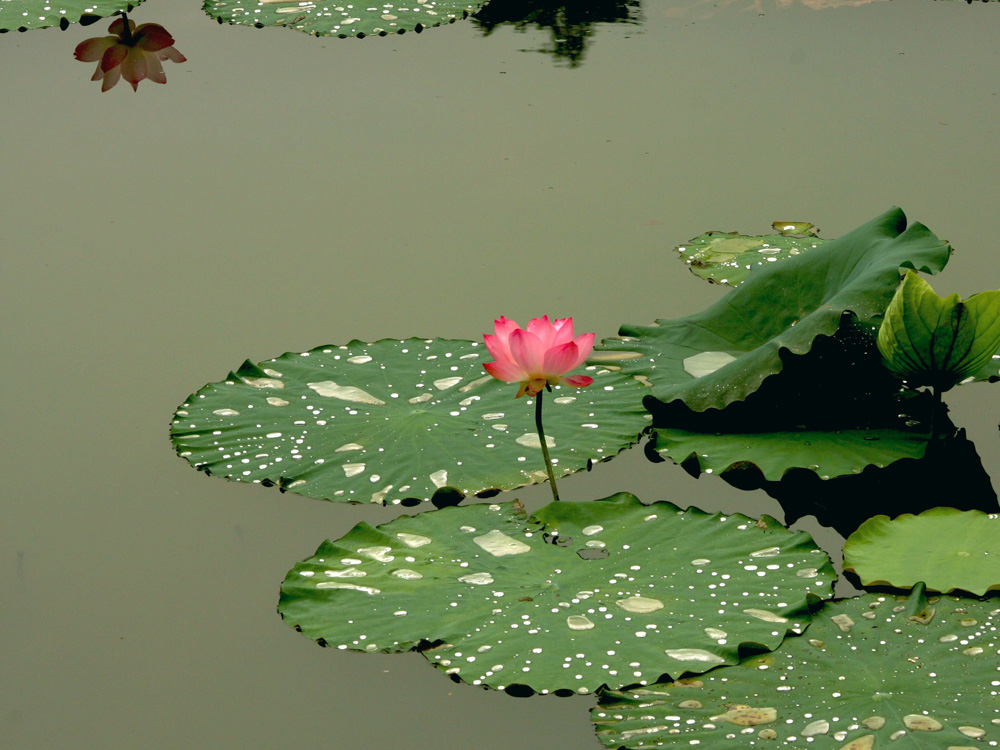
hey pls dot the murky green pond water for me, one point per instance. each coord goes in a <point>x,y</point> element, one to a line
<point>283,192</point>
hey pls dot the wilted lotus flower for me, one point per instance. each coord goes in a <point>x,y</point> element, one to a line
<point>538,356</point>
<point>134,53</point>
<point>938,342</point>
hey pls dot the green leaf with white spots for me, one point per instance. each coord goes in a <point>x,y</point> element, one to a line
<point>326,18</point>
<point>945,548</point>
<point>870,672</point>
<point>22,15</point>
<point>610,592</point>
<point>723,354</point>
<point>728,257</point>
<point>827,453</point>
<point>398,421</point>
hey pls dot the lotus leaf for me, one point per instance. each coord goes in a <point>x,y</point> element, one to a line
<point>871,672</point>
<point>862,420</point>
<point>22,15</point>
<point>397,421</point>
<point>714,358</point>
<point>945,548</point>
<point>828,453</point>
<point>728,257</point>
<point>610,592</point>
<point>325,18</point>
<point>938,342</point>
<point>906,486</point>
<point>991,370</point>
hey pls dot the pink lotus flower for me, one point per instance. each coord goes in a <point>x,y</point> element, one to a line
<point>134,53</point>
<point>539,356</point>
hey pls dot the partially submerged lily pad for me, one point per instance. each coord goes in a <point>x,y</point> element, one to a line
<point>714,358</point>
<point>396,421</point>
<point>907,486</point>
<point>729,257</point>
<point>326,18</point>
<point>871,672</point>
<point>945,548</point>
<point>834,411</point>
<point>828,453</point>
<point>611,592</point>
<point>23,15</point>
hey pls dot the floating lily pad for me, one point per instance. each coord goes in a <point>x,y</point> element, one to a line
<point>610,592</point>
<point>871,672</point>
<point>722,355</point>
<point>828,453</point>
<point>396,421</point>
<point>729,257</point>
<point>947,549</point>
<point>22,15</point>
<point>325,18</point>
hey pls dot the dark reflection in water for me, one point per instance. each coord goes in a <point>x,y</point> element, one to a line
<point>570,24</point>
<point>950,475</point>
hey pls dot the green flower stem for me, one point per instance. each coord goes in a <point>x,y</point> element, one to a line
<point>545,448</point>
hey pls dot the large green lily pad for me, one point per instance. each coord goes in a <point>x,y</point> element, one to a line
<point>396,421</point>
<point>945,548</point>
<point>610,592</point>
<point>326,18</point>
<point>871,672</point>
<point>22,15</point>
<point>728,257</point>
<point>714,358</point>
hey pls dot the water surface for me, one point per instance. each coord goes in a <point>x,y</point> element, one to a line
<point>283,192</point>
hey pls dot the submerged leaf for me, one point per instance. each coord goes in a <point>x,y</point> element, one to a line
<point>778,311</point>
<point>947,549</point>
<point>396,421</point>
<point>870,672</point>
<point>938,342</point>
<point>493,598</point>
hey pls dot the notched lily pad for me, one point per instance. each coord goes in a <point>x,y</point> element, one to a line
<point>945,548</point>
<point>870,672</point>
<point>828,453</point>
<point>778,311</point>
<point>729,257</point>
<point>23,15</point>
<point>325,18</point>
<point>493,598</point>
<point>398,421</point>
